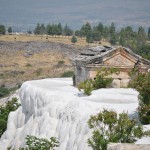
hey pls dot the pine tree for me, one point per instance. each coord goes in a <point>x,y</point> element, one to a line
<point>149,33</point>
<point>2,29</point>
<point>113,37</point>
<point>73,39</point>
<point>86,29</point>
<point>9,30</point>
<point>141,36</point>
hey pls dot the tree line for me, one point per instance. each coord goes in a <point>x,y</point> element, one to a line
<point>126,36</point>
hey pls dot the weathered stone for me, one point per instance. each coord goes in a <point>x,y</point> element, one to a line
<point>90,61</point>
<point>125,146</point>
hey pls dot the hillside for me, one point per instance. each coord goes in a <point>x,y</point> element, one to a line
<point>26,60</point>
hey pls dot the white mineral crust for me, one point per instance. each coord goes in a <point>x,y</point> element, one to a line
<point>53,107</point>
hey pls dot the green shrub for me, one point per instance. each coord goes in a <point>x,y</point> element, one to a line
<point>107,128</point>
<point>141,83</point>
<point>61,62</point>
<point>73,39</point>
<point>4,112</point>
<point>67,74</point>
<point>101,81</point>
<point>28,65</point>
<point>87,86</point>
<point>3,92</point>
<point>34,143</point>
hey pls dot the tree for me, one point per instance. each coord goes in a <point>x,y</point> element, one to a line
<point>77,33</point>
<point>86,29</point>
<point>100,28</point>
<point>89,38</point>
<point>29,32</point>
<point>107,128</point>
<point>144,51</point>
<point>59,29</point>
<point>9,30</point>
<point>73,39</point>
<point>40,29</point>
<point>149,33</point>
<point>112,30</point>
<point>141,36</point>
<point>2,29</point>
<point>67,31</point>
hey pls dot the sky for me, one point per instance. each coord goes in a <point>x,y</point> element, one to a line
<point>25,14</point>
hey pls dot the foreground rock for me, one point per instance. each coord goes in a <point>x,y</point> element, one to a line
<point>53,107</point>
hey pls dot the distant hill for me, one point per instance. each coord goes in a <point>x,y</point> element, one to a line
<point>25,14</point>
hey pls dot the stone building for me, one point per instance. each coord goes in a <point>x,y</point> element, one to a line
<point>91,60</point>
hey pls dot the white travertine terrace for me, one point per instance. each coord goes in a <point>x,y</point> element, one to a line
<point>53,107</point>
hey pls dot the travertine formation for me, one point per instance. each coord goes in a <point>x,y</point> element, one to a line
<point>90,61</point>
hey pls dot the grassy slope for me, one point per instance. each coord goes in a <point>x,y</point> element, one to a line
<point>40,65</point>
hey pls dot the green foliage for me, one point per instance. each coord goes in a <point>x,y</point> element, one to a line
<point>3,92</point>
<point>73,39</point>
<point>86,29</point>
<point>67,31</point>
<point>61,62</point>
<point>149,33</point>
<point>141,36</point>
<point>107,128</point>
<point>101,81</point>
<point>2,29</point>
<point>28,65</point>
<point>144,51</point>
<point>87,86</point>
<point>40,29</point>
<point>67,74</point>
<point>112,30</point>
<point>141,83</point>
<point>9,30</point>
<point>4,112</point>
<point>34,143</point>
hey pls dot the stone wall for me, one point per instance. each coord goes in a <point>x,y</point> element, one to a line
<point>125,146</point>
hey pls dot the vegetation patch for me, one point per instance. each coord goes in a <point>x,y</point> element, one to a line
<point>4,112</point>
<point>101,81</point>
<point>34,143</point>
<point>107,127</point>
<point>4,91</point>
<point>67,74</point>
<point>141,82</point>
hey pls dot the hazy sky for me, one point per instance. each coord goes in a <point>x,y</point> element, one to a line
<point>25,14</point>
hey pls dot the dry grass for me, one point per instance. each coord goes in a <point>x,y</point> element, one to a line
<point>18,68</point>
<point>45,38</point>
<point>44,64</point>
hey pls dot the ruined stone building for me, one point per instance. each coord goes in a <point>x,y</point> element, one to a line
<point>91,60</point>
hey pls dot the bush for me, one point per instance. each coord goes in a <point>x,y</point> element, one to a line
<point>34,143</point>
<point>87,86</point>
<point>4,112</point>
<point>101,81</point>
<point>108,128</point>
<point>73,39</point>
<point>3,92</point>
<point>67,74</point>
<point>141,83</point>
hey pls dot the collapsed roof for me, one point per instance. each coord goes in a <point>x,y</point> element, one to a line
<point>93,54</point>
